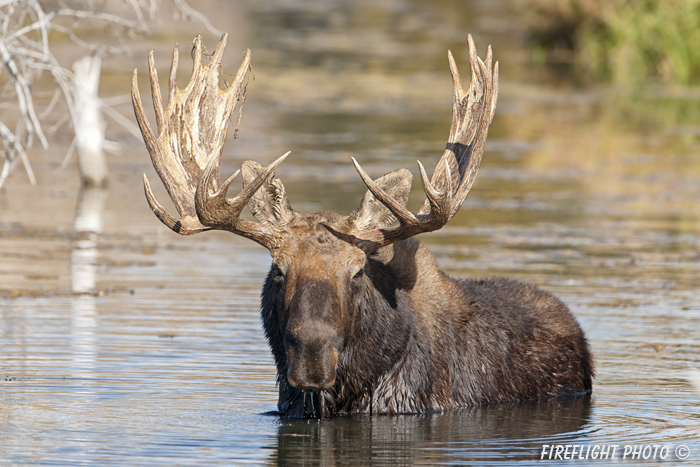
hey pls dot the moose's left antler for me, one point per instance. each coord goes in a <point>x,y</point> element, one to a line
<point>472,112</point>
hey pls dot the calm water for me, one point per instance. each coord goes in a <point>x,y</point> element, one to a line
<point>122,343</point>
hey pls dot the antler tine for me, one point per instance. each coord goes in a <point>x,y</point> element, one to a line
<point>197,59</point>
<point>409,224</point>
<point>172,86</point>
<point>186,225</point>
<point>146,130</point>
<point>187,152</point>
<point>454,175</point>
<point>440,201</point>
<point>155,93</point>
<point>494,91</point>
<point>215,210</point>
<point>405,216</point>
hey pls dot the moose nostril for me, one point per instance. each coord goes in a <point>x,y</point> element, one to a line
<point>313,371</point>
<point>311,385</point>
<point>307,384</point>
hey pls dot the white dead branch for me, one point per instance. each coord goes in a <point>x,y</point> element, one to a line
<point>25,53</point>
<point>88,123</point>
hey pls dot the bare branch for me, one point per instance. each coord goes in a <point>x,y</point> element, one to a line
<point>45,20</point>
<point>11,149</point>
<point>25,53</point>
<point>24,95</point>
<point>190,12</point>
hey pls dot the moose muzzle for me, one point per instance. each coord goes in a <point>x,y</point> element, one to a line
<point>313,337</point>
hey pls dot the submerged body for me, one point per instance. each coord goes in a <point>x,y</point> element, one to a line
<point>414,339</point>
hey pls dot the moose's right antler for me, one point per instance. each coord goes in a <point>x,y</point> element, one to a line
<point>187,152</point>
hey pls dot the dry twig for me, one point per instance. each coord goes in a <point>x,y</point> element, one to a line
<point>25,53</point>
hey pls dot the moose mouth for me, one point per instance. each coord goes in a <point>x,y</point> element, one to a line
<point>304,404</point>
<point>309,404</point>
<point>315,404</point>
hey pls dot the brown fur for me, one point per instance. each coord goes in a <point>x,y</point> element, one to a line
<point>358,316</point>
<point>390,333</point>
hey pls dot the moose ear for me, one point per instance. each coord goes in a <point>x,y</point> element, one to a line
<point>371,213</point>
<point>269,205</point>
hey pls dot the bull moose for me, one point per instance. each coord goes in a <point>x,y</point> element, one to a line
<point>358,316</point>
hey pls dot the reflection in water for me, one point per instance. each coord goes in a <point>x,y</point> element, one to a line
<point>87,227</point>
<point>476,434</point>
<point>694,379</point>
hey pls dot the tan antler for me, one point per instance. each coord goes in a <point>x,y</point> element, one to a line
<point>187,151</point>
<point>472,112</point>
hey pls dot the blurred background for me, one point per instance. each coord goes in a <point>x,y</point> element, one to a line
<point>589,186</point>
<point>597,114</point>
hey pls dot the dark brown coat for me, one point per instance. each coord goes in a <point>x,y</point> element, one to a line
<point>358,316</point>
<point>407,338</point>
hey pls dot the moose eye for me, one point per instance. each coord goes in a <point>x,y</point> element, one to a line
<point>276,274</point>
<point>358,275</point>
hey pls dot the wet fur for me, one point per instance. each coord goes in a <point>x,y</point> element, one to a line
<point>420,341</point>
<point>366,327</point>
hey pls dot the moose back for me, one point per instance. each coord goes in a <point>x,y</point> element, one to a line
<point>358,316</point>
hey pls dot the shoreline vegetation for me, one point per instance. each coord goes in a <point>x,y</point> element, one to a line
<point>623,42</point>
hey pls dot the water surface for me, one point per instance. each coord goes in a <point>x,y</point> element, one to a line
<point>122,343</point>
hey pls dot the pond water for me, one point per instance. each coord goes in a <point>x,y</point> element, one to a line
<point>122,343</point>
